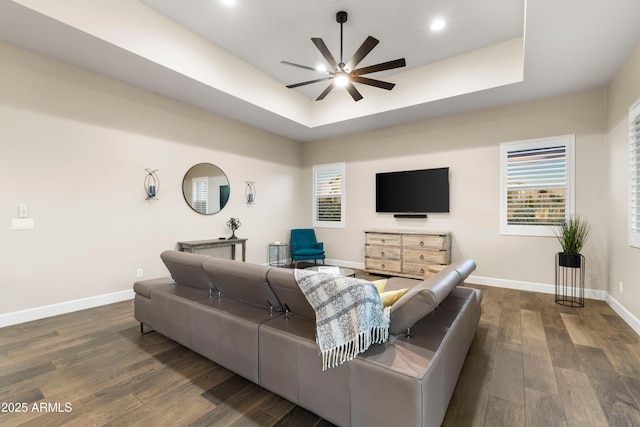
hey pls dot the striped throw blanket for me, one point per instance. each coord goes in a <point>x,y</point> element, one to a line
<point>349,315</point>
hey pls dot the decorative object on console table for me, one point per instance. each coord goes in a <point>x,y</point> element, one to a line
<point>570,263</point>
<point>250,192</point>
<point>151,184</point>
<point>233,224</point>
<point>407,253</point>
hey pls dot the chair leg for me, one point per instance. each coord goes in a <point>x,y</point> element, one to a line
<point>322,261</point>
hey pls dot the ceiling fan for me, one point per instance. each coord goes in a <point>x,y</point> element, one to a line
<point>345,74</point>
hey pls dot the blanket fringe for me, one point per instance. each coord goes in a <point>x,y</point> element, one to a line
<point>349,350</point>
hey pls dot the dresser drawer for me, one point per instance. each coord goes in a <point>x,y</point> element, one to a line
<point>425,241</point>
<point>424,256</point>
<point>382,264</point>
<point>417,270</point>
<point>387,252</point>
<point>383,239</point>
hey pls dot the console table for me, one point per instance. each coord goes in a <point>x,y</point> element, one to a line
<point>193,245</point>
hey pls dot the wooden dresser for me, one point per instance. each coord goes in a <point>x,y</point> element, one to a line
<point>405,253</point>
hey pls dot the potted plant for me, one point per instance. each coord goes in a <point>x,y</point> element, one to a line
<point>572,236</point>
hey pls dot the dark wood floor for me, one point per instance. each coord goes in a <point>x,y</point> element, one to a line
<point>532,363</point>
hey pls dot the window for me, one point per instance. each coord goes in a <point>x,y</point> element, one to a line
<point>328,195</point>
<point>536,185</point>
<point>634,174</point>
<point>201,194</point>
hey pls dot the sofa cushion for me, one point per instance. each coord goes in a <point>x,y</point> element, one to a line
<point>427,295</point>
<point>285,286</point>
<point>242,281</point>
<point>380,285</point>
<point>390,297</point>
<point>144,287</point>
<point>186,268</point>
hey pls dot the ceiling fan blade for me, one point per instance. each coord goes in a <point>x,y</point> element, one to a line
<point>325,52</point>
<point>373,82</point>
<point>308,82</point>
<point>353,92</point>
<point>304,67</point>
<point>364,49</point>
<point>397,63</point>
<point>326,91</point>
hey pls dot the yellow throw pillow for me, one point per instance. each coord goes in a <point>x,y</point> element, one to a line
<point>380,284</point>
<point>388,298</point>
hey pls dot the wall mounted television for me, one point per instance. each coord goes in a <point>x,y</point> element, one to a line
<point>415,191</point>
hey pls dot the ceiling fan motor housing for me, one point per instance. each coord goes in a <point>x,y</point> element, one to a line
<point>341,17</point>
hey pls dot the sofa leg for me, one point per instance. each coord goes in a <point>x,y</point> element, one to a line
<point>142,329</point>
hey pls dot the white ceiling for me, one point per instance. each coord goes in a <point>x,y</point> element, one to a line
<point>226,59</point>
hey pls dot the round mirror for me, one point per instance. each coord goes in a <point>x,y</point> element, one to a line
<point>206,188</point>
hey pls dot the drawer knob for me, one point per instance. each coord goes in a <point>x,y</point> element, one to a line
<point>421,243</point>
<point>382,265</point>
<point>421,256</point>
<point>422,270</point>
<point>383,240</point>
<point>381,253</point>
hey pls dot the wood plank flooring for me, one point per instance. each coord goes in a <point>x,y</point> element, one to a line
<point>532,363</point>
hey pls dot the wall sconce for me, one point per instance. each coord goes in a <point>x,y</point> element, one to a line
<point>250,192</point>
<point>151,184</point>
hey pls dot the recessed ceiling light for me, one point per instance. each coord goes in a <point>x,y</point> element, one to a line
<point>228,1</point>
<point>437,25</point>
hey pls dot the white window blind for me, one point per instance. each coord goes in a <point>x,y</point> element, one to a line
<point>537,185</point>
<point>200,194</point>
<point>634,174</point>
<point>328,195</point>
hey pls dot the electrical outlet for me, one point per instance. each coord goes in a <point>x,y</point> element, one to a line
<point>139,272</point>
<point>621,287</point>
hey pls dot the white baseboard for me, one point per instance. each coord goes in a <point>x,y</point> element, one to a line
<point>624,313</point>
<point>543,288</point>
<point>37,313</point>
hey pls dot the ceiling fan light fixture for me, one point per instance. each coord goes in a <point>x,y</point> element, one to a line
<point>341,79</point>
<point>345,74</point>
<point>321,68</point>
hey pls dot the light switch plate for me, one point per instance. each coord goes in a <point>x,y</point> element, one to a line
<point>23,211</point>
<point>22,224</point>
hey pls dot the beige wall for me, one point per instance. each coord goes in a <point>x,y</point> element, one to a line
<point>624,260</point>
<point>74,147</point>
<point>469,145</point>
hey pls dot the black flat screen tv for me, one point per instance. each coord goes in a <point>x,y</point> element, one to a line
<point>416,191</point>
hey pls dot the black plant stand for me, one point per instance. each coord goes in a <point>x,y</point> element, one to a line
<point>570,283</point>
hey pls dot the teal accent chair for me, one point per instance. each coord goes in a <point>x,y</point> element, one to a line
<point>304,246</point>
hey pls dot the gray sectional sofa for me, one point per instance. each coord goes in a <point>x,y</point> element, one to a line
<point>255,321</point>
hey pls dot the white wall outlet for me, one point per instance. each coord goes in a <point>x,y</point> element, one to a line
<point>139,273</point>
<point>621,286</point>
